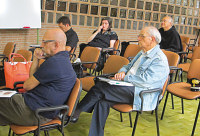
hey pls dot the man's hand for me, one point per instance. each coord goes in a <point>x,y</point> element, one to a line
<point>39,54</point>
<point>119,76</point>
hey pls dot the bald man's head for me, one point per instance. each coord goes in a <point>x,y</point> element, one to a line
<point>57,35</point>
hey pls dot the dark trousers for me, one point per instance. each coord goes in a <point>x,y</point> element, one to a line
<point>81,47</point>
<point>13,110</point>
<point>99,100</point>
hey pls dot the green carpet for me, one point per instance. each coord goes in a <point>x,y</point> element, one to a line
<point>173,124</point>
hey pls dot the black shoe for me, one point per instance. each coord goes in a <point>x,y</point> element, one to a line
<point>75,117</point>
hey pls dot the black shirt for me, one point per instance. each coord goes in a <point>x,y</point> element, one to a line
<point>72,38</point>
<point>57,78</point>
<point>170,40</point>
<point>102,40</point>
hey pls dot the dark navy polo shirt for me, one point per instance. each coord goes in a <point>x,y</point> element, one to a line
<point>57,78</point>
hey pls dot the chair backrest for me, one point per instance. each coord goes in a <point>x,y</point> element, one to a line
<point>172,57</point>
<point>74,97</point>
<point>9,48</point>
<point>132,50</point>
<point>90,54</point>
<point>25,53</point>
<point>185,39</point>
<point>165,87</point>
<point>116,46</point>
<point>196,53</point>
<point>184,45</point>
<point>114,63</point>
<point>194,69</point>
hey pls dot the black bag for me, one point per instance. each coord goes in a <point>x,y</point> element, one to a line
<point>101,62</point>
<point>123,47</point>
<point>78,69</point>
<point>2,77</point>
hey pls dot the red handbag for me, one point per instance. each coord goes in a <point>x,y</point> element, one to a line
<point>16,71</point>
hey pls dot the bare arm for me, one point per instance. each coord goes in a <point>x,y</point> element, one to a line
<point>112,42</point>
<point>32,82</point>
<point>93,35</point>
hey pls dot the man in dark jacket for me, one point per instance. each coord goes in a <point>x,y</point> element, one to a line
<point>170,37</point>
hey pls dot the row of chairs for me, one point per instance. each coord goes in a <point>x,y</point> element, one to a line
<point>173,58</point>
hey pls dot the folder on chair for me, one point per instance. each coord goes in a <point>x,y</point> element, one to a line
<point>115,82</point>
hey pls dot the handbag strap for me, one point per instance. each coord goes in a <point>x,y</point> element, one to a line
<point>15,55</point>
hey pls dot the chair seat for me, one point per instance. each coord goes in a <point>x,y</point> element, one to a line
<point>25,129</point>
<point>182,90</point>
<point>184,66</point>
<point>87,83</point>
<point>123,107</point>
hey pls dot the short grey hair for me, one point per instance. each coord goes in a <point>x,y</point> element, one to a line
<point>152,31</point>
<point>170,19</point>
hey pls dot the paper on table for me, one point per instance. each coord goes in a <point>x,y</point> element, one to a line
<point>6,93</point>
<point>115,82</point>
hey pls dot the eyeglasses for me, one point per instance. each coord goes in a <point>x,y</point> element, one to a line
<point>46,41</point>
<point>142,36</point>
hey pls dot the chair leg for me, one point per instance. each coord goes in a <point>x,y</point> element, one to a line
<point>9,132</point>
<point>121,118</point>
<point>182,106</point>
<point>157,124</point>
<point>196,118</point>
<point>164,105</point>
<point>130,119</point>
<point>172,101</point>
<point>135,123</point>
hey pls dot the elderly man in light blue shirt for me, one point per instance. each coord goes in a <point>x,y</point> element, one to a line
<point>149,69</point>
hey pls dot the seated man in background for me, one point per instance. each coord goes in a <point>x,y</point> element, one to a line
<point>148,70</point>
<point>171,40</point>
<point>48,85</point>
<point>72,38</point>
<point>103,37</point>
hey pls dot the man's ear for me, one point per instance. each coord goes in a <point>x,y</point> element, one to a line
<point>56,44</point>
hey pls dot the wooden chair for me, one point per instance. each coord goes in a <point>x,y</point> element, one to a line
<point>182,89</point>
<point>59,123</point>
<point>131,51</point>
<point>25,53</point>
<point>112,66</point>
<point>89,61</point>
<point>8,49</point>
<point>128,108</point>
<point>196,55</point>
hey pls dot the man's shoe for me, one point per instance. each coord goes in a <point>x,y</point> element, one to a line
<point>73,119</point>
<point>75,116</point>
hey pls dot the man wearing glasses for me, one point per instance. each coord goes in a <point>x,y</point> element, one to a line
<point>171,40</point>
<point>148,70</point>
<point>48,85</point>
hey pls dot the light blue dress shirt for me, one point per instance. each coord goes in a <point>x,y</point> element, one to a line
<point>151,73</point>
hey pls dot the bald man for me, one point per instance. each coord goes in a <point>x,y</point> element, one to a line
<point>171,40</point>
<point>48,85</point>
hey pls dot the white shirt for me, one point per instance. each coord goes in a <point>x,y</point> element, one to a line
<point>135,66</point>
